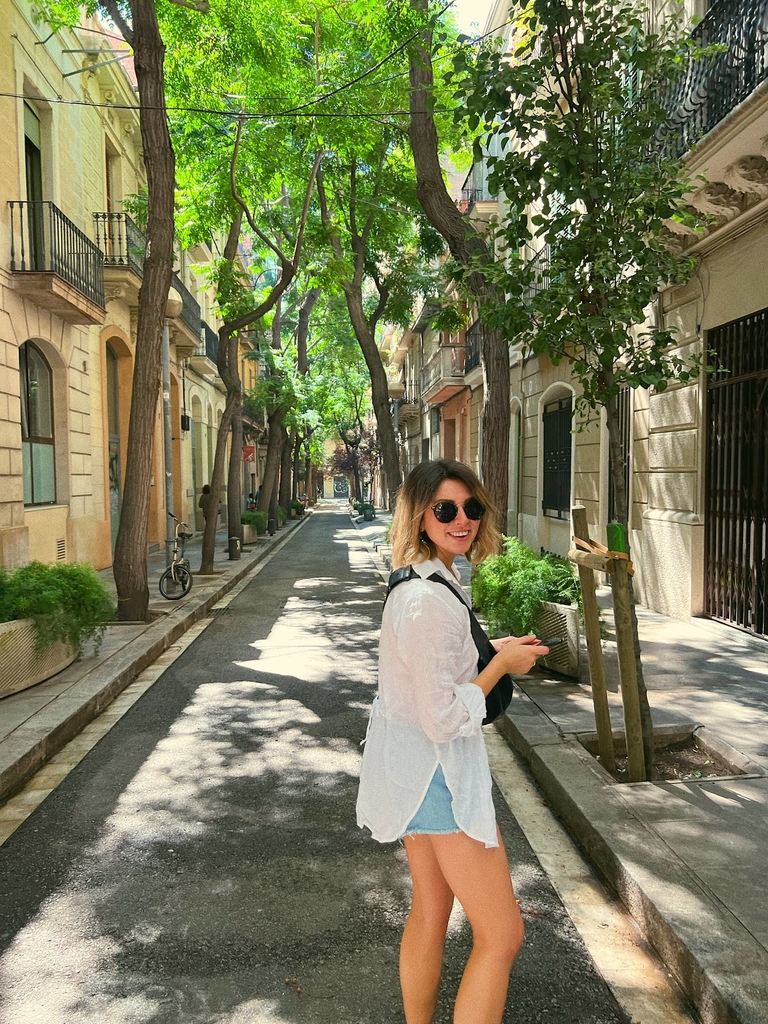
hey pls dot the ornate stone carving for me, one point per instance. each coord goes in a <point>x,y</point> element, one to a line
<point>749,175</point>
<point>719,201</point>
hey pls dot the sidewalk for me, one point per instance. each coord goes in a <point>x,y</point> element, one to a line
<point>688,859</point>
<point>38,722</point>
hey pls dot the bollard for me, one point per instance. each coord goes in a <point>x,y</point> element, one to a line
<point>234,548</point>
<point>271,527</point>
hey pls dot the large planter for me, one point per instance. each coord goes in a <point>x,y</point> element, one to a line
<point>22,665</point>
<point>249,534</point>
<point>561,620</point>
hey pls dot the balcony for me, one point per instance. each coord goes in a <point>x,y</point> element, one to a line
<point>539,265</point>
<point>54,264</point>
<point>410,404</point>
<point>443,374</point>
<point>711,88</point>
<point>205,359</point>
<point>473,341</point>
<point>123,246</point>
<point>477,201</point>
<point>187,326</point>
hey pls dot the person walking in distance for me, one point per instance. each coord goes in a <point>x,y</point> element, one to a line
<point>206,502</point>
<point>425,776</point>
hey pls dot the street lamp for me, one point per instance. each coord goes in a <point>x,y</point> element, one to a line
<point>173,306</point>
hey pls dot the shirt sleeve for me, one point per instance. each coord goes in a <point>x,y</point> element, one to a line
<point>435,642</point>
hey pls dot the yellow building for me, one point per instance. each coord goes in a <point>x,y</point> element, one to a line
<point>70,271</point>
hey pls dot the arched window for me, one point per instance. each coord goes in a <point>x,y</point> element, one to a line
<point>37,440</point>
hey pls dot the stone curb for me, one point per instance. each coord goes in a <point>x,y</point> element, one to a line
<point>720,966</point>
<point>30,746</point>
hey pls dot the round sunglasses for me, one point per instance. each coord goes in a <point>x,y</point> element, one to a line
<point>446,511</point>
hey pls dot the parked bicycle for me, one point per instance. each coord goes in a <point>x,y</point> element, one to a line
<point>176,581</point>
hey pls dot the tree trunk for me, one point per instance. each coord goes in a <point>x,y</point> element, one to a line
<point>470,251</point>
<point>217,480</point>
<point>296,459</point>
<point>235,477</point>
<point>496,421</point>
<point>621,506</point>
<point>379,391</point>
<point>272,463</point>
<point>130,563</point>
<point>284,494</point>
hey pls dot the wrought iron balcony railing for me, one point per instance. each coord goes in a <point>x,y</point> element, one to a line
<point>539,264</point>
<point>209,346</point>
<point>475,188</point>
<point>472,342</point>
<point>190,309</point>
<point>43,240</point>
<point>121,241</point>
<point>710,88</point>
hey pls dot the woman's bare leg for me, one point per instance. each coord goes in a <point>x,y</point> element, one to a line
<point>479,878</point>
<point>421,949</point>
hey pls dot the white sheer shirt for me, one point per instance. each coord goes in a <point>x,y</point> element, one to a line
<point>428,712</point>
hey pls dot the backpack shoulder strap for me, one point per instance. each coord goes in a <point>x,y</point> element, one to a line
<point>479,636</point>
<point>399,576</point>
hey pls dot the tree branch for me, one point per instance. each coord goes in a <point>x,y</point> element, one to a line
<point>241,202</point>
<point>110,6</point>
<point>203,6</point>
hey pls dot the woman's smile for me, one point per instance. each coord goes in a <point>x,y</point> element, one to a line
<point>458,536</point>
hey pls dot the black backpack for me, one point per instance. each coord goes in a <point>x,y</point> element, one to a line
<point>497,701</point>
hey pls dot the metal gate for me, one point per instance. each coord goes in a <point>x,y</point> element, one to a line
<point>736,544</point>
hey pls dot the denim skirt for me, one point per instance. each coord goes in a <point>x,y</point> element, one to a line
<point>435,815</point>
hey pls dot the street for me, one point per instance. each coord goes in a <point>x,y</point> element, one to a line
<point>202,863</point>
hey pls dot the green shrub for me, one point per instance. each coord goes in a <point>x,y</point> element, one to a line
<point>256,519</point>
<point>282,515</point>
<point>67,602</point>
<point>509,587</point>
<point>297,506</point>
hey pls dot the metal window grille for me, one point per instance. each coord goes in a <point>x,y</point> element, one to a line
<point>556,421</point>
<point>736,526</point>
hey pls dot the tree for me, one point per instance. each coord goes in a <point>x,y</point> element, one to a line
<point>137,22</point>
<point>472,255</point>
<point>576,114</point>
<point>242,175</point>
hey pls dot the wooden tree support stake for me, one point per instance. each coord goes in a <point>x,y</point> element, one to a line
<point>622,615</point>
<point>592,630</point>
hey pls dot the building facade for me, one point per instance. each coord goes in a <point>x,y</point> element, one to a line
<point>694,456</point>
<point>71,258</point>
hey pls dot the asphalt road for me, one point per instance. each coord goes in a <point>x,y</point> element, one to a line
<point>202,863</point>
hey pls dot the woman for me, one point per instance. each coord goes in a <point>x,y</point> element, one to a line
<point>425,774</point>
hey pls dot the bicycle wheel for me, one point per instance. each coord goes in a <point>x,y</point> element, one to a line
<point>172,589</point>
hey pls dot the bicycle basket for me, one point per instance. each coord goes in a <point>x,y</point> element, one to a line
<point>186,536</point>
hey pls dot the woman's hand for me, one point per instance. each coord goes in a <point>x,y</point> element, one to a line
<point>518,655</point>
<point>502,641</point>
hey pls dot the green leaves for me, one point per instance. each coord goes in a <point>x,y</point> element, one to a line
<point>570,123</point>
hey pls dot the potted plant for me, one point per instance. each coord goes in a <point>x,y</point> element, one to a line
<point>282,516</point>
<point>520,592</point>
<point>367,511</point>
<point>297,509</point>
<point>254,525</point>
<point>47,614</point>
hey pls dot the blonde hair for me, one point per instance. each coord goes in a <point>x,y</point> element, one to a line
<point>409,543</point>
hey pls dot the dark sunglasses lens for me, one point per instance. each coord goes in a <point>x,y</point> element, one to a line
<point>474,509</point>
<point>445,511</point>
